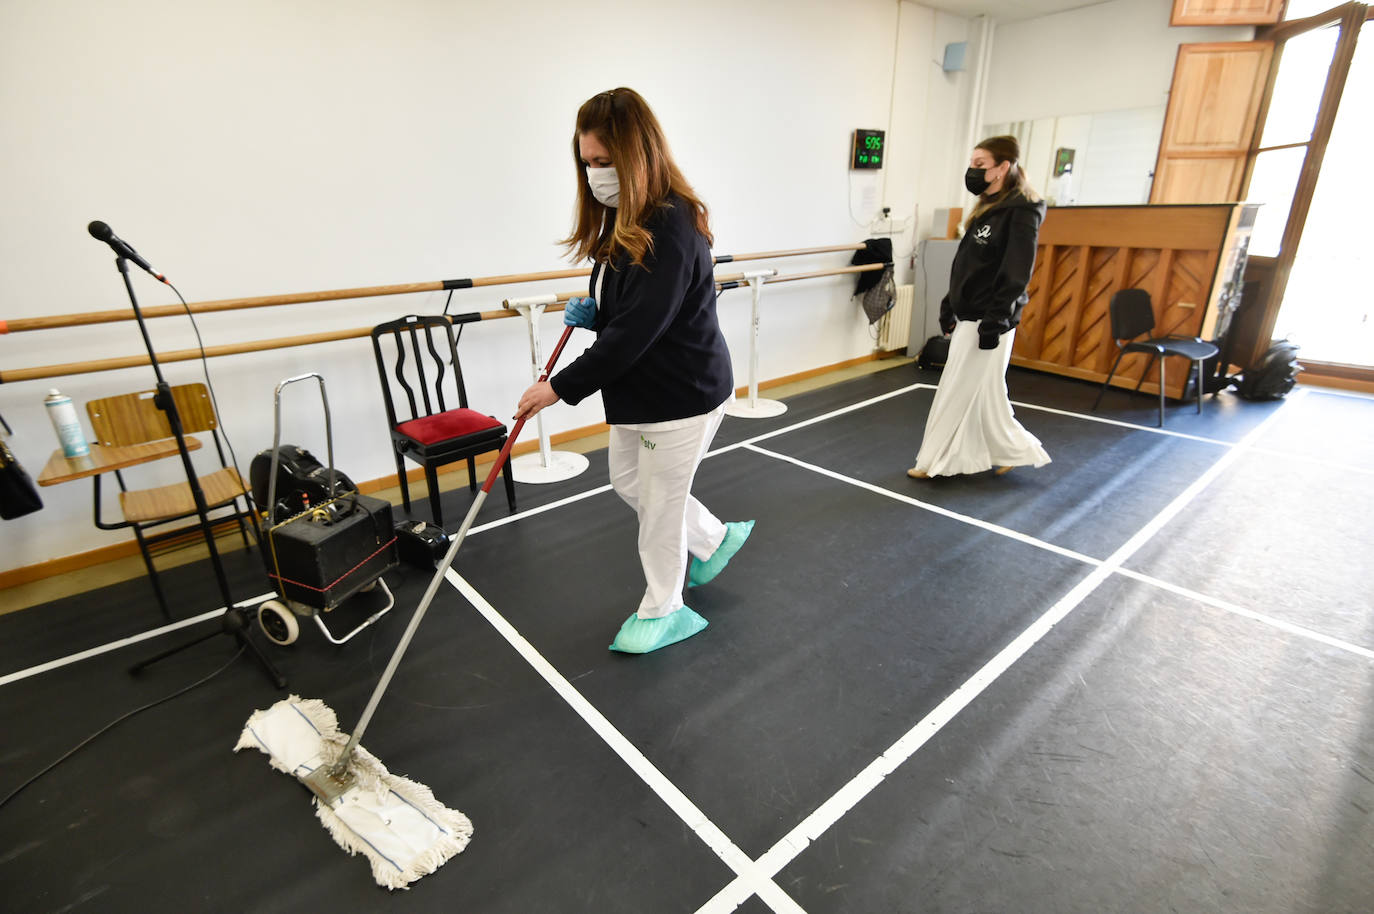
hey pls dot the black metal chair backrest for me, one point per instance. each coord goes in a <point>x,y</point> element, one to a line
<point>424,358</point>
<point>1132,314</point>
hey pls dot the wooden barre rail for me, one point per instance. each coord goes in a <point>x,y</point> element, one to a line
<point>793,277</point>
<point>288,342</point>
<point>52,322</point>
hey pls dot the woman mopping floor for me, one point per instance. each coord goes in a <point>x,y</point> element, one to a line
<point>659,358</point>
<point>971,427</point>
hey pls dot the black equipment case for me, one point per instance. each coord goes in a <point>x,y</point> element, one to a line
<point>324,555</point>
<point>325,542</point>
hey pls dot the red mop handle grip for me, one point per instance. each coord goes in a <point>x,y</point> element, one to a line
<point>515,432</point>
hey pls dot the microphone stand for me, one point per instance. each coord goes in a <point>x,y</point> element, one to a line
<point>234,621</point>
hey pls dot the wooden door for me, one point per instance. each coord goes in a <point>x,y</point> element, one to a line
<point>1214,105</point>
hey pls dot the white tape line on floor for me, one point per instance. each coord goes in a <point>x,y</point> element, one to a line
<point>932,508</point>
<point>747,873</point>
<point>125,642</point>
<point>791,845</point>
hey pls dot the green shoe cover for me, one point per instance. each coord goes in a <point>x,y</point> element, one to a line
<point>736,533</point>
<point>640,636</point>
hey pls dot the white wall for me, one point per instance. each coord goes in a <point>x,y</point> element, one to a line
<point>1121,151</point>
<point>931,120</point>
<point>260,147</point>
<point>1104,57</point>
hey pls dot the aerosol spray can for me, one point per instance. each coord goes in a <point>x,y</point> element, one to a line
<point>66,422</point>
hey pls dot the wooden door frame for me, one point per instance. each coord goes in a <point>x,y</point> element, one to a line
<point>1351,17</point>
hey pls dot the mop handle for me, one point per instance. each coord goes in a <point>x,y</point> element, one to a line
<point>520,425</point>
<point>439,572</point>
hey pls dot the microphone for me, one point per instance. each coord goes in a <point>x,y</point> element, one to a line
<point>102,232</point>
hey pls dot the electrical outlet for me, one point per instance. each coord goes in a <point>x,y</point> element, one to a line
<point>889,226</point>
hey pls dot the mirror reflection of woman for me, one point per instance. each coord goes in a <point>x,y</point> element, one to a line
<point>971,427</point>
<point>659,358</point>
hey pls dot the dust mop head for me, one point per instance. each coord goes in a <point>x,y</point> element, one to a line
<point>396,823</point>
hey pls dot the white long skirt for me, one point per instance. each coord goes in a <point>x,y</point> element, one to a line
<point>971,427</point>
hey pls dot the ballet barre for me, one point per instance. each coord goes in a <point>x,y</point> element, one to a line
<point>545,465</point>
<point>55,321</point>
<point>16,375</point>
<point>755,407</point>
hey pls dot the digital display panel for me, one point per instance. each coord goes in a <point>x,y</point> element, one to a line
<point>870,148</point>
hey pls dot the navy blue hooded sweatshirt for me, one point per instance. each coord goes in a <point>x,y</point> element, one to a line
<point>659,353</point>
<point>992,268</point>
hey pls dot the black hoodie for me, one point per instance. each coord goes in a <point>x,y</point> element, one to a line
<point>992,268</point>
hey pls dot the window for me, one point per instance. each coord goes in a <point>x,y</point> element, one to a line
<point>1327,308</point>
<point>1303,68</point>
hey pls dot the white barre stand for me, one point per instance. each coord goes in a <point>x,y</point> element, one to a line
<point>548,465</point>
<point>755,407</point>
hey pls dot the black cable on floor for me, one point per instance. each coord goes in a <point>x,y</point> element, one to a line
<point>14,793</point>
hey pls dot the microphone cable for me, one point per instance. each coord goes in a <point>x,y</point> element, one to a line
<point>210,385</point>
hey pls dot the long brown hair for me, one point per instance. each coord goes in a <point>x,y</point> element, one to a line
<point>624,123</point>
<point>1003,148</point>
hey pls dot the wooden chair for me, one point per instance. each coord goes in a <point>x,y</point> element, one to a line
<point>133,419</point>
<point>420,354</point>
<point>1133,316</point>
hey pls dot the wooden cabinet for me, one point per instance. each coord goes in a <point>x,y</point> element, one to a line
<point>1225,12</point>
<point>1184,256</point>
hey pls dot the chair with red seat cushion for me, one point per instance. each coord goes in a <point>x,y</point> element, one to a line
<point>417,363</point>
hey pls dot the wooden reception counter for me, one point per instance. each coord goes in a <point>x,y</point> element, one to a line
<point>1189,258</point>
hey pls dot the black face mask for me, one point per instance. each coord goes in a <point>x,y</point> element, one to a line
<point>975,179</point>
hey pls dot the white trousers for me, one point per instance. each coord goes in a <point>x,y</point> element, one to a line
<point>971,426</point>
<point>652,466</point>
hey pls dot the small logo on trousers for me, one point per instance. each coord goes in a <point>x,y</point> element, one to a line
<point>647,443</point>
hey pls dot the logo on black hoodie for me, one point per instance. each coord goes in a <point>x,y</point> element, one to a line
<point>983,233</point>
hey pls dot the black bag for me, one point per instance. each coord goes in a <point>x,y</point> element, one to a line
<point>934,354</point>
<point>302,480</point>
<point>18,494</point>
<point>878,287</point>
<point>421,543</point>
<point>1273,376</point>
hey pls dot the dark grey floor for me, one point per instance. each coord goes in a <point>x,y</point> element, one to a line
<point>1152,752</point>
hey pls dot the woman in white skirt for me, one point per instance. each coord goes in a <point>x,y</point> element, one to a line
<point>659,358</point>
<point>971,427</point>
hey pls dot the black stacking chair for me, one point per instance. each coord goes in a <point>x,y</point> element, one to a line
<point>1133,316</point>
<point>419,355</point>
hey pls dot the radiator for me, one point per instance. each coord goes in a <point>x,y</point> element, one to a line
<point>894,328</point>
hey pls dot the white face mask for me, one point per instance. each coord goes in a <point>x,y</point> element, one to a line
<point>605,184</point>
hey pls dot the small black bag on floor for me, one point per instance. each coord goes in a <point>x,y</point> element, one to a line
<point>421,543</point>
<point>1273,376</point>
<point>934,354</point>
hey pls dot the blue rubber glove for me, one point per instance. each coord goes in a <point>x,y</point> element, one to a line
<point>580,312</point>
